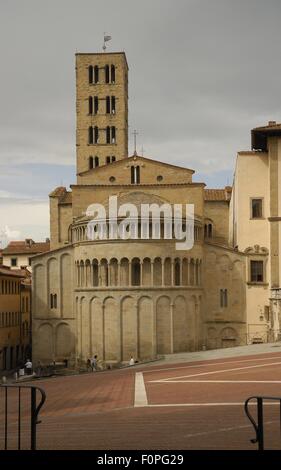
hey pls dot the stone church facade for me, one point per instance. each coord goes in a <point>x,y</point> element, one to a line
<point>136,297</point>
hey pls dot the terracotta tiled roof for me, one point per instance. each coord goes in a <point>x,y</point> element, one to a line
<point>6,271</point>
<point>58,192</point>
<point>23,247</point>
<point>218,194</point>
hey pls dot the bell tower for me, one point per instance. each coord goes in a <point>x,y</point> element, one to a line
<point>101,109</point>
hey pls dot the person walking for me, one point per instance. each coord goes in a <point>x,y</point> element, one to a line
<point>94,363</point>
<point>131,361</point>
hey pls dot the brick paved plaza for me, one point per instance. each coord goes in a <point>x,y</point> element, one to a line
<point>183,405</point>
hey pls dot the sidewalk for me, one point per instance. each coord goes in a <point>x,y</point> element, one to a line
<point>251,349</point>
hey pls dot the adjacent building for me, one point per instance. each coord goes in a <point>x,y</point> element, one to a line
<point>17,254</point>
<point>255,215</point>
<point>15,316</point>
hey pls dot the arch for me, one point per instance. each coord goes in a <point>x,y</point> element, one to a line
<point>96,327</point>
<point>229,337</point>
<point>40,291</point>
<point>181,332</point>
<point>113,272</point>
<point>146,272</point>
<point>124,272</point>
<point>43,342</point>
<point>103,273</point>
<point>95,275</point>
<point>129,328</point>
<point>84,329</point>
<point>163,325</point>
<point>145,327</point>
<point>157,272</point>
<point>111,330</point>
<point>185,272</point>
<point>136,272</point>
<point>88,273</point>
<point>66,284</point>
<point>168,272</point>
<point>91,163</point>
<point>177,272</point>
<point>65,345</point>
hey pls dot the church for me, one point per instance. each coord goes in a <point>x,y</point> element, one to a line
<point>119,298</point>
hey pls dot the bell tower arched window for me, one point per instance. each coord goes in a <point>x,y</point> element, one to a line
<point>96,74</point>
<point>112,73</point>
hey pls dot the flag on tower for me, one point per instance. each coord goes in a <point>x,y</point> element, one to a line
<point>107,38</point>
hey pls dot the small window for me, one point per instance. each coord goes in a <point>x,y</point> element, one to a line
<point>96,73</point>
<point>91,74</point>
<point>29,261</point>
<point>113,134</point>
<point>14,261</point>
<point>96,134</point>
<point>90,135</point>
<point>107,74</point>
<point>112,179</point>
<point>256,271</point>
<point>96,105</point>
<point>223,298</point>
<point>113,101</point>
<point>97,161</point>
<point>107,105</point>
<point>108,135</point>
<point>256,208</point>
<point>91,163</point>
<point>90,105</point>
<point>159,178</point>
<point>112,73</point>
<point>135,175</point>
<point>107,160</point>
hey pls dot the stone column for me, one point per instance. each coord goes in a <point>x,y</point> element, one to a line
<point>188,271</point>
<point>181,268</point>
<point>151,272</point>
<point>173,272</point>
<point>172,327</point>
<point>130,274</point>
<point>141,273</point>
<point>119,273</point>
<point>103,333</point>
<point>163,271</point>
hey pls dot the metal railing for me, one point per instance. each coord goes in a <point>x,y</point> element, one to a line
<point>259,424</point>
<point>14,409</point>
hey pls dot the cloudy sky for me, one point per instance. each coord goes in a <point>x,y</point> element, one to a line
<point>202,74</point>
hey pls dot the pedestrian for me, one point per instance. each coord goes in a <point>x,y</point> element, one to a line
<point>94,363</point>
<point>28,367</point>
<point>131,361</point>
<point>89,365</point>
